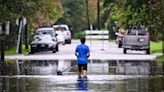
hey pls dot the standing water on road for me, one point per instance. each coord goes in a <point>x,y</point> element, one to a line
<point>103,76</point>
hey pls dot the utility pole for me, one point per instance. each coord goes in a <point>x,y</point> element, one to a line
<point>87,10</point>
<point>3,42</point>
<point>98,14</point>
<point>20,33</point>
<point>163,43</point>
<point>4,31</point>
<point>26,37</point>
<point>2,50</point>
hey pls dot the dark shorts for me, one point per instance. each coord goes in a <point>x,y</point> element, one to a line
<point>82,67</point>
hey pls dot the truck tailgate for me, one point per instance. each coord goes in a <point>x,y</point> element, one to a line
<point>136,40</point>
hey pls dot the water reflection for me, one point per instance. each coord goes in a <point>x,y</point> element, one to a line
<point>113,76</point>
<point>82,84</point>
<point>44,67</point>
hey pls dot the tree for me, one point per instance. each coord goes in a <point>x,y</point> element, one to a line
<point>34,10</point>
<point>74,15</point>
<point>129,13</point>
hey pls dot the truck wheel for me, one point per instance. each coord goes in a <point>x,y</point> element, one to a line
<point>119,45</point>
<point>124,51</point>
<point>54,51</point>
<point>70,41</point>
<point>148,51</point>
<point>32,51</point>
<point>57,47</point>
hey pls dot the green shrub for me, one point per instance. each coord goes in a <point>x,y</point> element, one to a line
<point>79,35</point>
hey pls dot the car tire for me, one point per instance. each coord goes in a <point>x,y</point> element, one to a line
<point>148,51</point>
<point>68,41</point>
<point>124,51</point>
<point>119,45</point>
<point>57,48</point>
<point>32,51</point>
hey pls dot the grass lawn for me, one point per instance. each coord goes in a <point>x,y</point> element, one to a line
<point>160,59</point>
<point>156,47</point>
<point>13,51</point>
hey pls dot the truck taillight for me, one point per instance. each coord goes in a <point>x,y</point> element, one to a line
<point>148,34</point>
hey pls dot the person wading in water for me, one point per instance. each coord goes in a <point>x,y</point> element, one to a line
<point>82,52</point>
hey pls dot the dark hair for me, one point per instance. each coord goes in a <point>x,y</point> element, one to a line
<point>82,40</point>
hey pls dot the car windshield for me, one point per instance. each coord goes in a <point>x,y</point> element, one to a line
<point>41,32</point>
<point>60,28</point>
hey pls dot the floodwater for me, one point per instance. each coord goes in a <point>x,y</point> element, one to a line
<point>103,76</point>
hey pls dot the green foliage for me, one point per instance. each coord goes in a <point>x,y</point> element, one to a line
<point>74,14</point>
<point>13,50</point>
<point>160,59</point>
<point>156,47</point>
<point>79,35</point>
<point>128,13</point>
<point>10,10</point>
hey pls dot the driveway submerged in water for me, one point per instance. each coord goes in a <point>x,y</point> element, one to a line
<point>104,76</point>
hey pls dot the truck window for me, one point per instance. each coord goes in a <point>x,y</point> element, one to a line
<point>142,32</point>
<point>60,28</point>
<point>132,32</point>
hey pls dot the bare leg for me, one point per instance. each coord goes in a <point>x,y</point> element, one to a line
<point>85,73</point>
<point>79,73</point>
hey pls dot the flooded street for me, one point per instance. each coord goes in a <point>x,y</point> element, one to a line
<point>118,44</point>
<point>103,76</point>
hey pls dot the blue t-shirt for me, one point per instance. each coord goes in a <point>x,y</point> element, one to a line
<point>82,51</point>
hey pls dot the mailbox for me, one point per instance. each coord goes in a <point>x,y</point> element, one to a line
<point>1,29</point>
<point>4,28</point>
<point>7,28</point>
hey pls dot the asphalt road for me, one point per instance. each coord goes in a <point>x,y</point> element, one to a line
<point>100,50</point>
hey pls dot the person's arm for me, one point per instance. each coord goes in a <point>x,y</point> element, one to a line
<point>76,54</point>
<point>88,54</point>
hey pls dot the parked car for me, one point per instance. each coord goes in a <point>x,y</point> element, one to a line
<point>63,32</point>
<point>44,40</point>
<point>136,39</point>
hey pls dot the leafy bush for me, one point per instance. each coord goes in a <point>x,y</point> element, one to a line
<point>79,35</point>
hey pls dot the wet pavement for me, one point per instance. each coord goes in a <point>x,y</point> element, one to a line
<point>110,52</point>
<point>103,76</point>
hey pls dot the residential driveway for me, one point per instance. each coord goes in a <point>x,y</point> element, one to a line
<point>100,50</point>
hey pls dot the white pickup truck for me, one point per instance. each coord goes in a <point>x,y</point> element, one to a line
<point>136,39</point>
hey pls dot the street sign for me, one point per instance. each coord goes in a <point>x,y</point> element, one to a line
<point>17,22</point>
<point>24,21</point>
